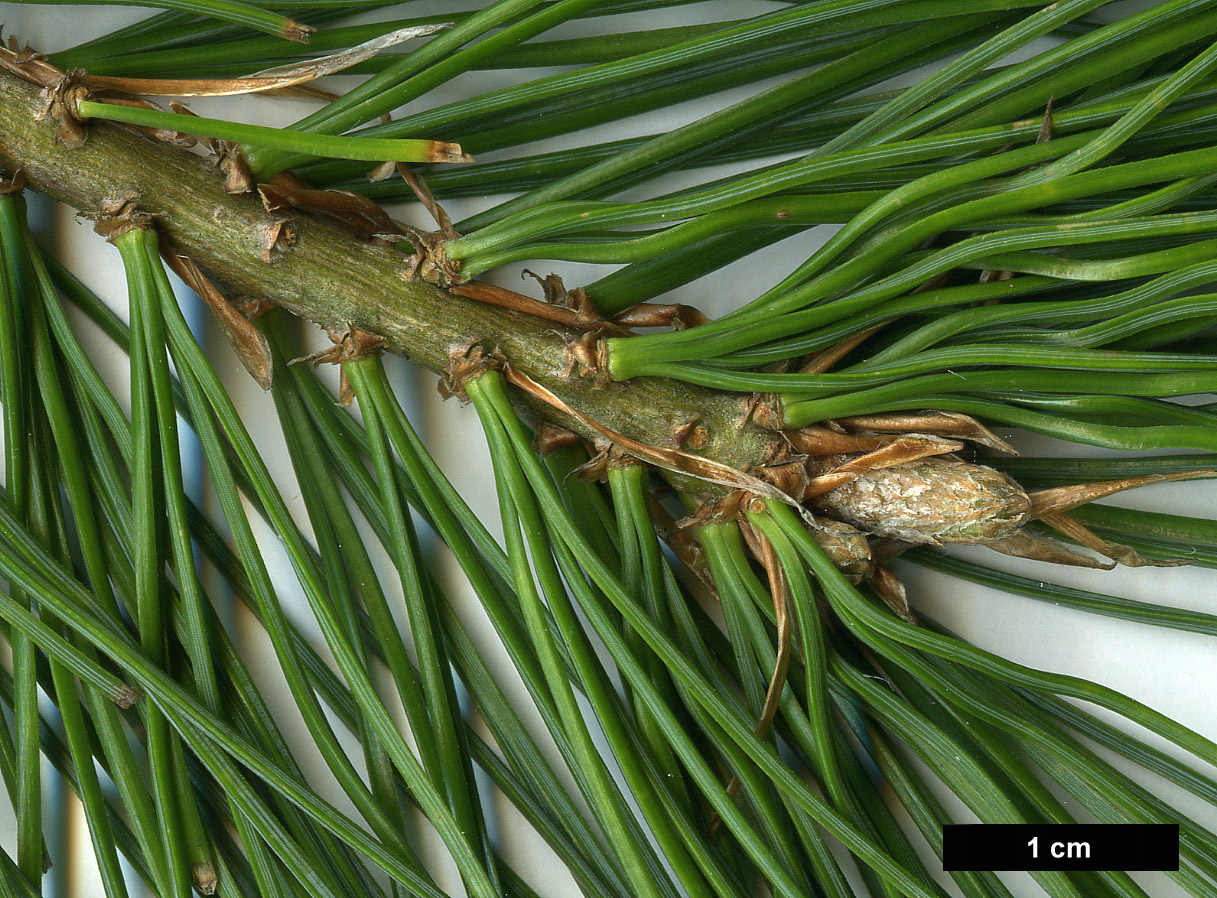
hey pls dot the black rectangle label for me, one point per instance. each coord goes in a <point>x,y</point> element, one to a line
<point>1079,846</point>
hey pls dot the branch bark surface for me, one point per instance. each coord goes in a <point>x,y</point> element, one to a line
<point>338,281</point>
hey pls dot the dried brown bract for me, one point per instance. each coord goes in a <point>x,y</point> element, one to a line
<point>466,363</point>
<point>250,343</point>
<point>59,105</point>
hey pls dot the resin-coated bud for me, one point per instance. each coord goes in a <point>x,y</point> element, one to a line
<point>933,500</point>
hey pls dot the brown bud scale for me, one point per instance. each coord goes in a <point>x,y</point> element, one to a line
<point>931,501</point>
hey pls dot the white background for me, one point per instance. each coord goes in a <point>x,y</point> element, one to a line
<point>1174,672</point>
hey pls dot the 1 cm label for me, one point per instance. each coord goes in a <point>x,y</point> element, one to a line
<point>1060,846</point>
<point>1073,851</point>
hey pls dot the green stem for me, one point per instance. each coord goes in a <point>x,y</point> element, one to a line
<point>830,80</point>
<point>452,770</point>
<point>863,617</point>
<point>222,10</point>
<point>737,728</point>
<point>367,149</point>
<point>413,74</point>
<point>148,529</point>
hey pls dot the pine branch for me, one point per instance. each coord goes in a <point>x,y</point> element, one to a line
<point>340,282</point>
